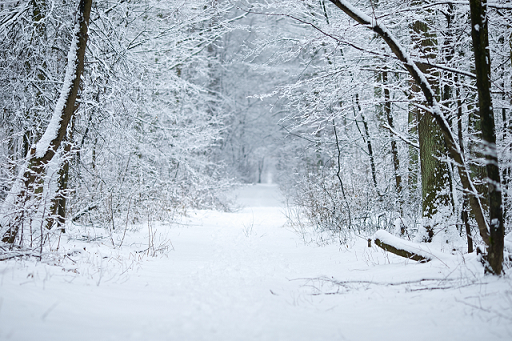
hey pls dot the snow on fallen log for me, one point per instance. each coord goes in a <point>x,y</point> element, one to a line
<point>403,248</point>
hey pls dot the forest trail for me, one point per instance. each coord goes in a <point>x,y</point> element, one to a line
<point>245,276</point>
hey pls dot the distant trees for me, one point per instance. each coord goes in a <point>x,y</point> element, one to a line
<point>247,76</point>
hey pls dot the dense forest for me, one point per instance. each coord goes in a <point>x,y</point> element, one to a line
<point>255,170</point>
<point>369,115</point>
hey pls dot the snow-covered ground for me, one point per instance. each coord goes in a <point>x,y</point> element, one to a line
<point>245,276</point>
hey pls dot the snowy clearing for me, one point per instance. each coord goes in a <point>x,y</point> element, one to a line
<point>245,276</point>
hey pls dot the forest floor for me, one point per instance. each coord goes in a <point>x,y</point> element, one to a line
<point>245,276</point>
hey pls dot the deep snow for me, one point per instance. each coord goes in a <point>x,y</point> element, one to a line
<point>245,276</point>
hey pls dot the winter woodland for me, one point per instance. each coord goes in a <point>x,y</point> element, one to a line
<point>270,170</point>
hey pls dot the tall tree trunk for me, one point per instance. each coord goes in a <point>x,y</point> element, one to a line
<point>394,148</point>
<point>366,138</point>
<point>29,183</point>
<point>479,35</point>
<point>507,126</point>
<point>452,98</point>
<point>465,200</point>
<point>435,174</point>
<point>413,190</point>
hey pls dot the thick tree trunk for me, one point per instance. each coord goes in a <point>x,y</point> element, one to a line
<point>435,174</point>
<point>29,183</point>
<point>479,34</point>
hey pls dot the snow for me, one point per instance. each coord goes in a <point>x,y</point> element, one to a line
<point>245,276</point>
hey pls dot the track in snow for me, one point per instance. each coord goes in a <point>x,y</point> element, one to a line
<point>243,276</point>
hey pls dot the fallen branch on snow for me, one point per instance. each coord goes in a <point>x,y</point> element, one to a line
<point>422,284</point>
<point>404,248</point>
<point>14,254</point>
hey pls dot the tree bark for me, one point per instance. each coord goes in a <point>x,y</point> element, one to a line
<point>479,35</point>
<point>435,174</point>
<point>46,148</point>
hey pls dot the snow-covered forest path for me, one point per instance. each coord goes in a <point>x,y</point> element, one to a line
<point>244,276</point>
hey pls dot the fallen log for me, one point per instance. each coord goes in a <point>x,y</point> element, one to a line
<point>401,253</point>
<point>403,248</point>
